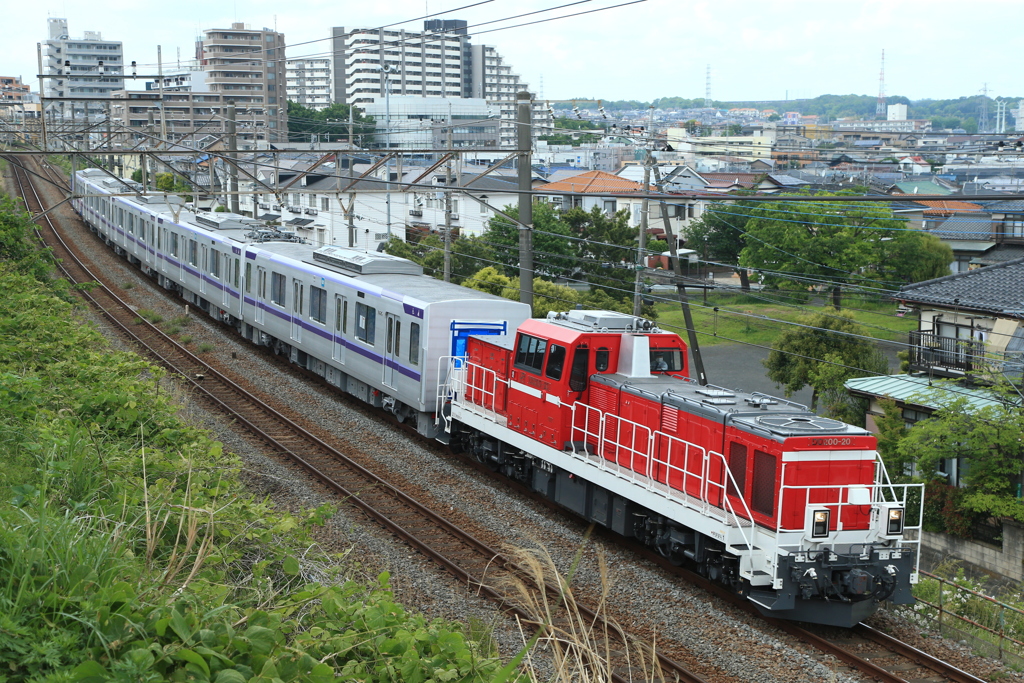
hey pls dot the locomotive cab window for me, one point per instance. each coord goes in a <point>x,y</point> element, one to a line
<point>666,360</point>
<point>556,362</point>
<point>530,353</point>
<point>579,373</point>
<point>601,360</point>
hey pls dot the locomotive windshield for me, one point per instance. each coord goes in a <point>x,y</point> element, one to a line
<point>666,360</point>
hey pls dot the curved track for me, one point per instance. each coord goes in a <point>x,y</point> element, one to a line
<point>863,649</point>
<point>487,571</point>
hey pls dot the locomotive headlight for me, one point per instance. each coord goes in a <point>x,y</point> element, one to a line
<point>894,525</point>
<point>819,523</point>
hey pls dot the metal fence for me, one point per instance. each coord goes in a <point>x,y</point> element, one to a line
<point>988,625</point>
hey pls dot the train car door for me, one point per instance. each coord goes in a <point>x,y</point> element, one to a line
<point>297,311</point>
<point>203,269</point>
<point>340,327</point>
<point>236,283</point>
<point>148,230</point>
<point>391,341</point>
<point>162,246</point>
<point>261,294</point>
<point>225,280</point>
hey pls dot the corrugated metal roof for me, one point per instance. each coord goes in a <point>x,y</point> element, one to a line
<point>919,391</point>
<point>921,187</point>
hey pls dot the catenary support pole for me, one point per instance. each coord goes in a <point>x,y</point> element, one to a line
<point>641,252</point>
<point>232,142</point>
<point>448,209</point>
<point>524,140</point>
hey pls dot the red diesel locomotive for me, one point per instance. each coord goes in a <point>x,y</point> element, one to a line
<point>595,410</point>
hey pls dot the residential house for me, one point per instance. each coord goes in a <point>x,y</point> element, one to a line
<point>971,329</point>
<point>970,322</point>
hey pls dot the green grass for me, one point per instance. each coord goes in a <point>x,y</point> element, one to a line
<point>750,319</point>
<point>205,347</point>
<point>185,339</point>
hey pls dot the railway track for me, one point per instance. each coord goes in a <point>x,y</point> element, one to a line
<point>865,650</point>
<point>471,561</point>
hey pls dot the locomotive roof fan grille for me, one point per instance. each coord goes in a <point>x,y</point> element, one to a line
<point>807,423</point>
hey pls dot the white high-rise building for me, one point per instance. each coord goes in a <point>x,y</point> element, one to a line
<point>897,112</point>
<point>309,82</point>
<point>437,62</point>
<point>493,80</point>
<point>87,67</point>
<point>427,63</point>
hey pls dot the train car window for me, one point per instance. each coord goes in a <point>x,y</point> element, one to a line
<point>263,284</point>
<point>192,249</point>
<point>131,223</point>
<point>366,323</point>
<point>234,280</point>
<point>738,469</point>
<point>762,494</point>
<point>277,292</point>
<point>248,277</point>
<point>666,360</point>
<point>414,344</point>
<point>318,305</point>
<point>391,335</point>
<point>174,244</point>
<point>578,375</point>
<point>601,360</point>
<point>398,339</point>
<point>142,230</point>
<point>297,299</point>
<point>344,316</point>
<point>530,354</point>
<point>556,362</point>
<point>215,263</point>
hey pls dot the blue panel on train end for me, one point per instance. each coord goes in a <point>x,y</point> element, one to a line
<point>462,330</point>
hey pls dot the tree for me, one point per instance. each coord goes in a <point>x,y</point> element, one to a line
<point>553,253</point>
<point>802,243</point>
<point>330,124</point>
<point>988,438</point>
<point>734,129</point>
<point>719,235</point>
<point>831,337</point>
<point>606,250</point>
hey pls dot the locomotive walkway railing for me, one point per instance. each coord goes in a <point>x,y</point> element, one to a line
<point>628,450</point>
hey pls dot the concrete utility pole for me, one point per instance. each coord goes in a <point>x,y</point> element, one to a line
<point>684,302</point>
<point>448,208</point>
<point>645,208</point>
<point>232,142</point>
<point>160,74</point>
<point>145,158</point>
<point>42,98</point>
<point>351,213</point>
<point>110,143</point>
<point>524,140</point>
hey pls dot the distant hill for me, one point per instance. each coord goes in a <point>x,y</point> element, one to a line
<point>832,107</point>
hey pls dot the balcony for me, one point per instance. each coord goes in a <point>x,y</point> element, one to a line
<point>946,356</point>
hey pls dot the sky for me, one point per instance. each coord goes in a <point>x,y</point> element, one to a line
<point>757,50</point>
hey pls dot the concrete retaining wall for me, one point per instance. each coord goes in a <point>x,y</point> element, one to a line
<point>1007,561</point>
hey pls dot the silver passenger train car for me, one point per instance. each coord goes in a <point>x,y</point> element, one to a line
<point>371,324</point>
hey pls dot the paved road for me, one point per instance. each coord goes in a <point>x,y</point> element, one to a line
<point>737,366</point>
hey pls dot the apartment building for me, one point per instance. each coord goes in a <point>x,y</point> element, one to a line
<point>439,61</point>
<point>87,68</point>
<point>248,66</point>
<point>493,79</point>
<point>12,90</point>
<point>428,63</point>
<point>309,82</point>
